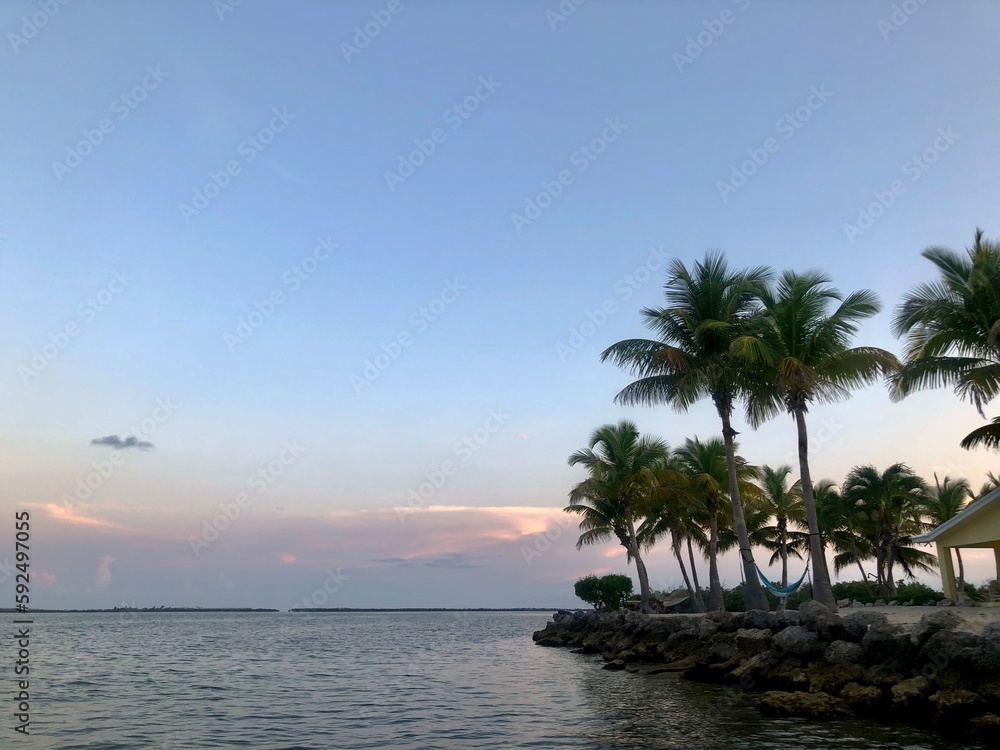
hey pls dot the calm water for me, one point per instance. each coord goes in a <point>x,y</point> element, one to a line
<point>348,681</point>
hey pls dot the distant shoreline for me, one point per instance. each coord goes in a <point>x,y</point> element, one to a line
<point>148,610</point>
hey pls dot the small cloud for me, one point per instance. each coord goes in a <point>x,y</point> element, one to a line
<point>104,571</point>
<point>522,436</point>
<point>42,578</point>
<point>287,559</point>
<point>116,442</point>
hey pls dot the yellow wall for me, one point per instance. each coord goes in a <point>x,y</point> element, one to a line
<point>981,529</point>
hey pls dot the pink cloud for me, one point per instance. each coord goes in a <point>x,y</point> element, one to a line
<point>287,558</point>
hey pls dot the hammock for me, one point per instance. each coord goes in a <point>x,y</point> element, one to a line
<point>787,590</point>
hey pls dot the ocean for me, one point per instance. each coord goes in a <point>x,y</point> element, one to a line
<point>371,680</point>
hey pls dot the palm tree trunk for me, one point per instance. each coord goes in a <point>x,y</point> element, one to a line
<point>755,598</point>
<point>890,583</point>
<point>822,590</point>
<point>696,602</point>
<point>961,571</point>
<point>715,600</point>
<point>864,576</point>
<point>783,540</point>
<point>640,568</point>
<point>694,567</point>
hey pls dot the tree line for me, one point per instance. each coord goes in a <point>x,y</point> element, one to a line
<point>767,344</point>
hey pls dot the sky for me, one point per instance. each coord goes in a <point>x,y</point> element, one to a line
<point>347,268</point>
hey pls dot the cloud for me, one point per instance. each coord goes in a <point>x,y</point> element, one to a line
<point>454,561</point>
<point>522,436</point>
<point>116,442</point>
<point>104,571</point>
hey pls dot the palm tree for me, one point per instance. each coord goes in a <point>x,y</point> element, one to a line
<point>840,525</point>
<point>945,501</point>
<point>675,514</point>
<point>991,483</point>
<point>622,470</point>
<point>801,355</point>
<point>784,503</point>
<point>952,331</point>
<point>704,463</point>
<point>892,504</point>
<point>708,307</point>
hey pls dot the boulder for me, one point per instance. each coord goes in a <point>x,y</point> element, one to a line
<point>830,679</point>
<point>833,628</point>
<point>752,672</point>
<point>614,665</point>
<point>934,622</point>
<point>758,619</point>
<point>948,657</point>
<point>955,707</point>
<point>987,726</point>
<point>788,675</point>
<point>858,623</point>
<point>797,640</point>
<point>910,696</point>
<point>811,612</point>
<point>705,628</point>
<point>844,652</point>
<point>752,642</point>
<point>862,699</point>
<point>946,603</point>
<point>883,676</point>
<point>886,644</point>
<point>806,705</point>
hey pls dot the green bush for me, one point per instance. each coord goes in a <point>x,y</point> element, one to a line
<point>607,593</point>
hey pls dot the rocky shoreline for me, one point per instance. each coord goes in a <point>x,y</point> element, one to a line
<point>810,663</point>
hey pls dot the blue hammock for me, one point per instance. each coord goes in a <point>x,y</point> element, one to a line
<point>787,590</point>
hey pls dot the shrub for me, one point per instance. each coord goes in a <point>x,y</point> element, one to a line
<point>607,593</point>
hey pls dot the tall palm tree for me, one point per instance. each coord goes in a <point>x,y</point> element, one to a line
<point>675,514</point>
<point>952,331</point>
<point>945,501</point>
<point>704,463</point>
<point>801,354</point>
<point>841,524</point>
<point>707,308</point>
<point>893,504</point>
<point>785,505</point>
<point>622,470</point>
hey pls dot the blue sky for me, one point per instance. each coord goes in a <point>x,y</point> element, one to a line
<point>485,310</point>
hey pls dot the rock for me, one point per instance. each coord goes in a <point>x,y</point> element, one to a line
<point>844,652</point>
<point>787,618</point>
<point>752,642</point>
<point>706,628</point>
<point>810,613</point>
<point>831,679</point>
<point>758,619</point>
<point>886,644</point>
<point>863,699</point>
<point>614,665</point>
<point>833,628</point>
<point>910,695</point>
<point>955,706</point>
<point>883,676</point>
<point>806,705</point>
<point>955,659</point>
<point>843,603</point>
<point>752,673</point>
<point>880,602</point>
<point>893,603</point>
<point>869,604</point>
<point>787,675</point>
<point>797,640</point>
<point>681,664</point>
<point>987,725</point>
<point>858,623</point>
<point>946,603</point>
<point>991,633</point>
<point>932,623</point>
